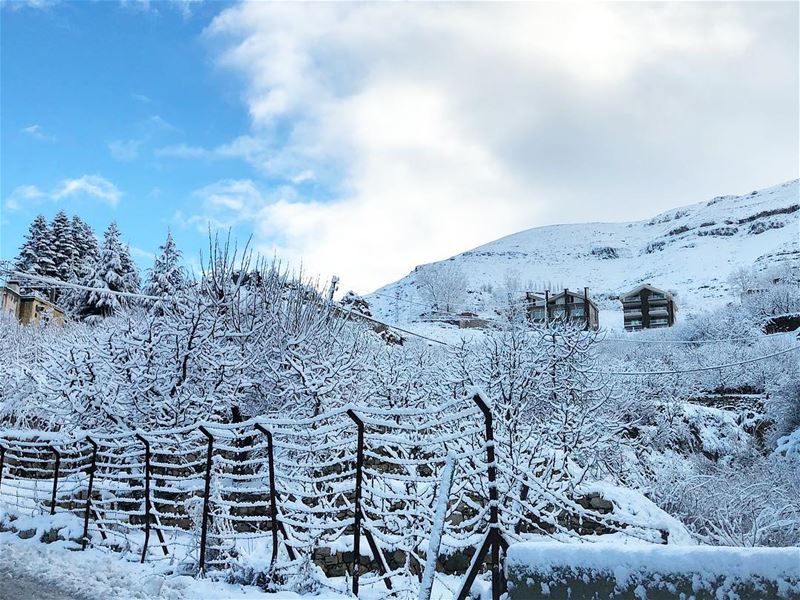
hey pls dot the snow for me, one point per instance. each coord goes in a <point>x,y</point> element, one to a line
<point>104,575</point>
<point>625,560</point>
<point>693,264</point>
<point>789,445</point>
<point>638,510</point>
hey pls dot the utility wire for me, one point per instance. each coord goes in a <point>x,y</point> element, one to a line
<point>52,282</point>
<point>58,283</point>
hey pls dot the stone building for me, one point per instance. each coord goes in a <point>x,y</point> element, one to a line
<point>28,307</point>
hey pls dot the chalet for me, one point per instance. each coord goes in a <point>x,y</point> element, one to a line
<point>566,306</point>
<point>28,308</point>
<point>647,307</point>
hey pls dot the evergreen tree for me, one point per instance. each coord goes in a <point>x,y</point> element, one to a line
<point>166,277</point>
<point>85,243</point>
<point>132,281</point>
<point>36,254</point>
<point>65,250</point>
<point>108,275</point>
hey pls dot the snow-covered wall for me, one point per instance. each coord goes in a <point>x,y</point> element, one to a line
<point>555,570</point>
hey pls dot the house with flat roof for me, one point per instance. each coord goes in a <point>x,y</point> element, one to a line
<point>647,307</point>
<point>569,306</point>
<point>28,307</point>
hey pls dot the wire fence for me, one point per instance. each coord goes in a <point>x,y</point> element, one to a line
<point>354,489</point>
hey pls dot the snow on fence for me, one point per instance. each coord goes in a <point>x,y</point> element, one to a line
<point>353,491</point>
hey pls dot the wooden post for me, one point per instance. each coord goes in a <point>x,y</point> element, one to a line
<point>92,469</point>
<point>206,498</point>
<point>587,313</point>
<point>567,310</point>
<point>2,461</point>
<point>547,308</point>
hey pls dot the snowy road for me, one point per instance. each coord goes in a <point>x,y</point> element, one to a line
<point>16,587</point>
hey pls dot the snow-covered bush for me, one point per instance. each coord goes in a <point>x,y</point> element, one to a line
<point>742,501</point>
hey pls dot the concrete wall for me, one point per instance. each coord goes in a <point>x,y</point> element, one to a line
<point>556,571</point>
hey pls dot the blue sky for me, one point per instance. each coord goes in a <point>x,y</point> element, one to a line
<point>93,89</point>
<point>364,139</point>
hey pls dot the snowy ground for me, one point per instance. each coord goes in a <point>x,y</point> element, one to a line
<point>32,570</point>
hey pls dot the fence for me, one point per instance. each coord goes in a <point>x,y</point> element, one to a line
<point>277,496</point>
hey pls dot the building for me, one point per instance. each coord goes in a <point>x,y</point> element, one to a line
<point>647,307</point>
<point>28,307</point>
<point>574,307</point>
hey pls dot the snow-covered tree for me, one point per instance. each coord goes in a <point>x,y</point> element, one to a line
<point>85,243</point>
<point>65,250</point>
<point>132,280</point>
<point>443,285</point>
<point>167,276</point>
<point>110,274</point>
<point>36,254</point>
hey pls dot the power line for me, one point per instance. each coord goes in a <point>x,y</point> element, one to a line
<point>58,283</point>
<point>406,331</point>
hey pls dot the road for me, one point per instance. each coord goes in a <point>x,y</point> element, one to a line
<point>16,587</point>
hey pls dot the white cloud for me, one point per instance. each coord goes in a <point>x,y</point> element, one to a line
<point>88,185</point>
<point>442,126</point>
<point>34,4</point>
<point>22,195</point>
<point>225,204</point>
<point>125,150</point>
<point>35,131</point>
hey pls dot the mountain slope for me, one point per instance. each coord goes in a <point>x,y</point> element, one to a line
<point>690,251</point>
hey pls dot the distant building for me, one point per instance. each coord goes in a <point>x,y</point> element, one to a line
<point>574,307</point>
<point>647,307</point>
<point>28,307</point>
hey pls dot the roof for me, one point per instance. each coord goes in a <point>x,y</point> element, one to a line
<point>33,296</point>
<point>554,297</point>
<point>648,286</point>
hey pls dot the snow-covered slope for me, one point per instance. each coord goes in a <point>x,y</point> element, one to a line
<point>690,251</point>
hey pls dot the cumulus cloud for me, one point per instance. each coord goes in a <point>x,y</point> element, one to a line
<point>93,186</point>
<point>434,128</point>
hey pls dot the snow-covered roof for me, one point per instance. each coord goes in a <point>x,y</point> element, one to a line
<point>647,286</point>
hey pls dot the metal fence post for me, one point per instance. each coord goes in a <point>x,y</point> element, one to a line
<point>357,500</point>
<point>2,462</point>
<point>147,506</point>
<point>275,524</point>
<point>56,468</point>
<point>494,539</point>
<point>273,500</point>
<point>92,468</point>
<point>206,498</point>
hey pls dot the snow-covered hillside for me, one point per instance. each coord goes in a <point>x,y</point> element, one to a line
<point>690,251</point>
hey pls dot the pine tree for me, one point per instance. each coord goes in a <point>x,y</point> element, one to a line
<point>108,275</point>
<point>65,251</point>
<point>131,276</point>
<point>85,243</point>
<point>36,254</point>
<point>166,277</point>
